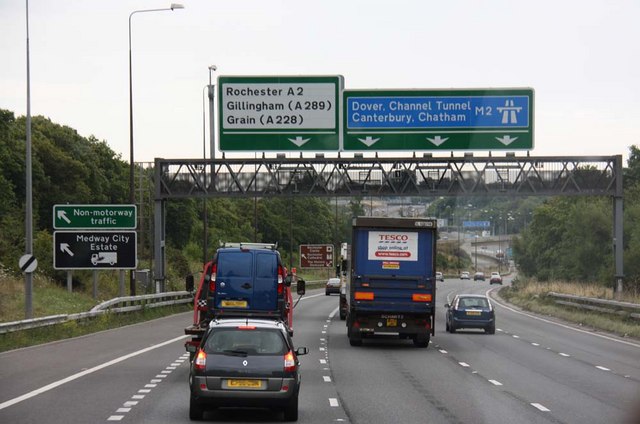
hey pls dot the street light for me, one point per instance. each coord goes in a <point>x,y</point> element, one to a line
<point>132,197</point>
<point>205,221</point>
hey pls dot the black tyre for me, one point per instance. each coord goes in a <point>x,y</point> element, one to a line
<point>343,315</point>
<point>491,329</point>
<point>355,341</point>
<point>447,327</point>
<point>452,328</point>
<point>291,410</point>
<point>195,411</point>
<point>421,340</point>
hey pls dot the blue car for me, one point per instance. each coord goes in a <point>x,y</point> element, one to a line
<point>471,311</point>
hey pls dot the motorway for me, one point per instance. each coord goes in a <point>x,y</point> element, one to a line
<point>533,370</point>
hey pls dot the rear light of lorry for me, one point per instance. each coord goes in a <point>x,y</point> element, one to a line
<point>289,362</point>
<point>421,297</point>
<point>364,295</point>
<point>212,282</point>
<point>200,361</point>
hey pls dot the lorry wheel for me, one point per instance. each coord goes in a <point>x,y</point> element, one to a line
<point>421,340</point>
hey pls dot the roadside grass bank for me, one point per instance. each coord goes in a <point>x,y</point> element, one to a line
<point>530,295</point>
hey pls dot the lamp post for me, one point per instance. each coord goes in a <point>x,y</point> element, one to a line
<point>205,220</point>
<point>476,238</point>
<point>132,196</point>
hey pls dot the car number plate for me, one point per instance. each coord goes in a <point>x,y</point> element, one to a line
<point>233,303</point>
<point>474,313</point>
<point>392,322</point>
<point>252,384</point>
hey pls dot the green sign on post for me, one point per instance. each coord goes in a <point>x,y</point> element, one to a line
<point>114,217</point>
<point>281,113</point>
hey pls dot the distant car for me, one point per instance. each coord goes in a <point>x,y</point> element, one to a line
<point>439,276</point>
<point>464,275</point>
<point>495,278</point>
<point>478,276</point>
<point>245,363</point>
<point>332,286</point>
<point>470,311</point>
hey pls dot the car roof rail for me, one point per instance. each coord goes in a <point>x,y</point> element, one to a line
<point>249,245</point>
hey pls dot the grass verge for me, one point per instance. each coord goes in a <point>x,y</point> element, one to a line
<point>531,296</point>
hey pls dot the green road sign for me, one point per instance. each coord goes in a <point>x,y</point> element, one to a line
<point>94,217</point>
<point>478,119</point>
<point>281,113</point>
<point>94,249</point>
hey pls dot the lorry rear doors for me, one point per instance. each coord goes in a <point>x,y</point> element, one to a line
<point>246,279</point>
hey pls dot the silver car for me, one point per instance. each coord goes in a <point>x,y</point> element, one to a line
<point>245,363</point>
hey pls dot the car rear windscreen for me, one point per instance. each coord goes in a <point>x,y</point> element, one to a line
<point>258,341</point>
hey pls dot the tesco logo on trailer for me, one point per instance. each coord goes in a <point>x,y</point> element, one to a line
<point>399,246</point>
<point>394,237</point>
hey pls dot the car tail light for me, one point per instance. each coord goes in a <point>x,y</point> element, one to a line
<point>364,295</point>
<point>281,278</point>
<point>289,362</point>
<point>200,361</point>
<point>212,282</point>
<point>421,297</point>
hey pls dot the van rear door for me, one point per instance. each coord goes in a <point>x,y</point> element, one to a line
<point>247,280</point>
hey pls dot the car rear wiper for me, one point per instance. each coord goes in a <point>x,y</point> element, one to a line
<point>235,352</point>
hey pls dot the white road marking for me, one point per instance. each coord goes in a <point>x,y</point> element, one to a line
<point>122,410</point>
<point>326,378</point>
<point>535,344</point>
<point>540,407</point>
<point>515,336</point>
<point>156,381</point>
<point>144,391</point>
<point>85,372</point>
<point>563,325</point>
<point>323,361</point>
<point>137,397</point>
<point>464,364</point>
<point>322,349</point>
<point>443,351</point>
<point>602,368</point>
<point>333,402</point>
<point>161,376</point>
<point>495,382</point>
<point>566,355</point>
<point>115,418</point>
<point>150,386</point>
<point>131,403</point>
<point>334,312</point>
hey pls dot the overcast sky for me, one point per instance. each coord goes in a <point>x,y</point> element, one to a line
<point>581,57</point>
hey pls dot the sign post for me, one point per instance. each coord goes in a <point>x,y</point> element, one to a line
<point>115,217</point>
<point>94,250</point>
<point>316,256</point>
<point>478,119</point>
<point>293,113</point>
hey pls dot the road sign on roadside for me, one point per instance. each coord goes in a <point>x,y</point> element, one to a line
<point>478,119</point>
<point>94,250</point>
<point>114,217</point>
<point>316,256</point>
<point>281,113</point>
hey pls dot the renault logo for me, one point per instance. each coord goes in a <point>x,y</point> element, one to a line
<point>245,363</point>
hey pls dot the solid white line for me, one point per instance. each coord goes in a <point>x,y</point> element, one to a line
<point>540,407</point>
<point>83,373</point>
<point>495,382</point>
<point>334,312</point>
<point>333,402</point>
<point>563,325</point>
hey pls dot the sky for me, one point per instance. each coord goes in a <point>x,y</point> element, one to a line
<point>582,59</point>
